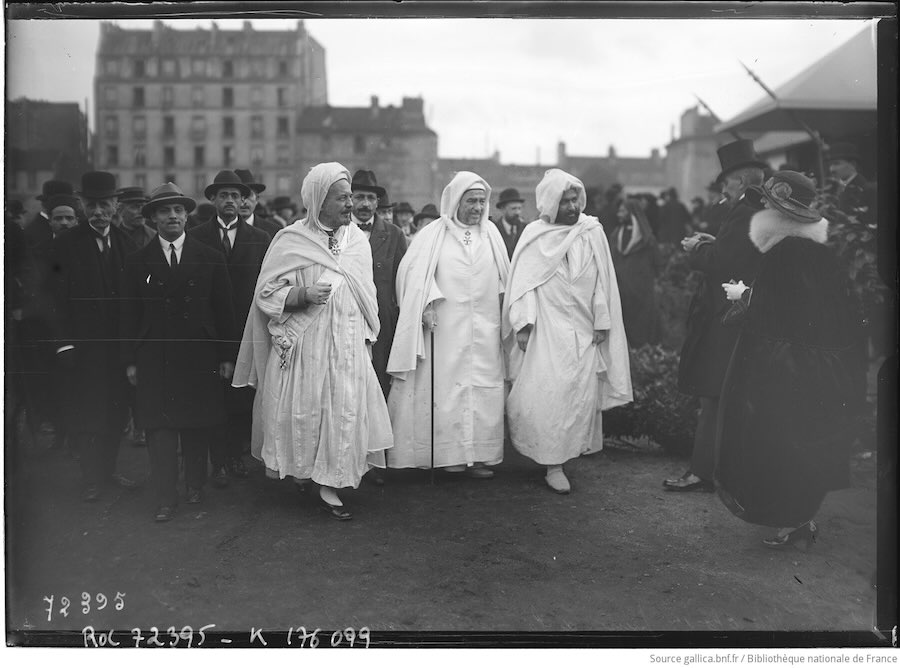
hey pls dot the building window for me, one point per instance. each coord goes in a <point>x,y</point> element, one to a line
<point>256,155</point>
<point>112,66</point>
<point>359,144</point>
<point>199,182</point>
<point>256,97</point>
<point>138,97</point>
<point>256,127</point>
<point>111,127</point>
<point>197,96</point>
<point>168,156</point>
<point>283,155</point>
<point>168,126</point>
<point>140,180</point>
<point>228,97</point>
<point>258,68</point>
<point>283,126</point>
<point>228,126</point>
<point>227,155</point>
<point>111,95</point>
<point>140,156</point>
<point>112,155</point>
<point>169,67</point>
<point>282,68</point>
<point>282,97</point>
<point>227,68</point>
<point>139,127</point>
<point>168,95</point>
<point>198,127</point>
<point>140,68</point>
<point>199,156</point>
<point>283,183</point>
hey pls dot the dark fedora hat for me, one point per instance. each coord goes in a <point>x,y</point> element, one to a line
<point>792,193</point>
<point>736,155</point>
<point>131,194</point>
<point>246,176</point>
<point>97,185</point>
<point>428,211</point>
<point>509,195</point>
<point>205,211</point>
<point>364,179</point>
<point>283,202</point>
<point>61,200</point>
<point>226,179</point>
<point>404,207</point>
<point>167,193</point>
<point>384,202</point>
<point>54,187</point>
<point>842,151</point>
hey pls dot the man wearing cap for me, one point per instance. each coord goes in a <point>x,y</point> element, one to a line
<point>856,195</point>
<point>510,221</point>
<point>244,247</point>
<point>90,261</point>
<point>388,247</point>
<point>729,256</point>
<point>451,283</point>
<point>131,199</point>
<point>250,210</point>
<point>319,412</point>
<point>178,333</point>
<point>403,218</point>
<point>284,211</point>
<point>428,214</point>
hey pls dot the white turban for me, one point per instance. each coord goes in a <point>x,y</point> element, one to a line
<point>551,189</point>
<point>455,190</point>
<point>315,187</point>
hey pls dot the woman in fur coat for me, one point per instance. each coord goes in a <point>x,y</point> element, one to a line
<point>785,424</point>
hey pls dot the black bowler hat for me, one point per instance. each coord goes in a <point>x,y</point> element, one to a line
<point>404,207</point>
<point>61,200</point>
<point>738,154</point>
<point>167,193</point>
<point>428,211</point>
<point>131,194</point>
<point>364,179</point>
<point>97,185</point>
<point>226,179</point>
<point>509,195</point>
<point>54,187</point>
<point>247,177</point>
<point>282,202</point>
<point>842,151</point>
<point>384,202</point>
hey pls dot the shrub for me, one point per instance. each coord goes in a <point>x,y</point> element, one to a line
<point>675,285</point>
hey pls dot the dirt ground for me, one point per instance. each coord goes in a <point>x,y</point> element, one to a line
<point>504,554</point>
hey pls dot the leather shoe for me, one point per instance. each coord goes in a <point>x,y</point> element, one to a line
<point>689,483</point>
<point>194,496</point>
<point>123,482</point>
<point>479,472</point>
<point>164,513</point>
<point>337,512</point>
<point>91,493</point>
<point>220,477</point>
<point>237,469</point>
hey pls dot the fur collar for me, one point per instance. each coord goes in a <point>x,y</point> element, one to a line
<point>768,227</point>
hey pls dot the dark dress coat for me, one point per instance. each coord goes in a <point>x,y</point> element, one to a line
<point>88,299</point>
<point>784,417</point>
<point>388,247</point>
<point>266,224</point>
<point>178,326</point>
<point>674,222</point>
<point>708,343</point>
<point>509,240</point>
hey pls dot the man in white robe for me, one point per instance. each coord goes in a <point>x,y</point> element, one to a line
<point>571,359</point>
<point>450,284</point>
<point>319,411</point>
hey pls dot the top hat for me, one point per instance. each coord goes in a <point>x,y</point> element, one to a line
<point>364,179</point>
<point>131,194</point>
<point>167,193</point>
<point>792,193</point>
<point>842,151</point>
<point>404,207</point>
<point>246,176</point>
<point>54,187</point>
<point>509,195</point>
<point>97,185</point>
<point>738,154</point>
<point>226,178</point>
<point>61,199</point>
<point>384,202</point>
<point>282,202</point>
<point>428,211</point>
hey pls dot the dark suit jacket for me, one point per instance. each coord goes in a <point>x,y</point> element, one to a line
<point>388,247</point>
<point>177,327</point>
<point>509,240</point>
<point>266,225</point>
<point>88,298</point>
<point>244,262</point>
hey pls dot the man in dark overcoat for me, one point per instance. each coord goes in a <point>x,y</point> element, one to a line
<point>250,210</point>
<point>244,247</point>
<point>178,332</point>
<point>730,255</point>
<point>510,221</point>
<point>89,261</point>
<point>131,199</point>
<point>856,195</point>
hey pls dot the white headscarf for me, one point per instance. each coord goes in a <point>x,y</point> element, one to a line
<point>315,187</point>
<point>551,189</point>
<point>453,194</point>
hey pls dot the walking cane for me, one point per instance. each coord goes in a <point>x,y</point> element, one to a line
<point>431,355</point>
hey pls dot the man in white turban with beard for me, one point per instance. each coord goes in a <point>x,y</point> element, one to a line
<point>450,283</point>
<point>319,412</point>
<point>571,358</point>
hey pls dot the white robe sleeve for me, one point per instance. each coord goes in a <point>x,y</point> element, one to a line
<point>523,311</point>
<point>602,320</point>
<point>273,295</point>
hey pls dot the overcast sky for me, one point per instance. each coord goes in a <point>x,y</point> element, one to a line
<point>515,85</point>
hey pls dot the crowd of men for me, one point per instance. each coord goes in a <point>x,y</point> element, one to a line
<point>351,334</point>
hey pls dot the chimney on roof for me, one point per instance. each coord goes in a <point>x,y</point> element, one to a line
<point>612,151</point>
<point>561,153</point>
<point>157,32</point>
<point>248,27</point>
<point>214,33</point>
<point>374,106</point>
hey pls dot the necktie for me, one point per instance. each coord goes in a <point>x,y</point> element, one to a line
<point>626,236</point>
<point>226,242</point>
<point>173,259</point>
